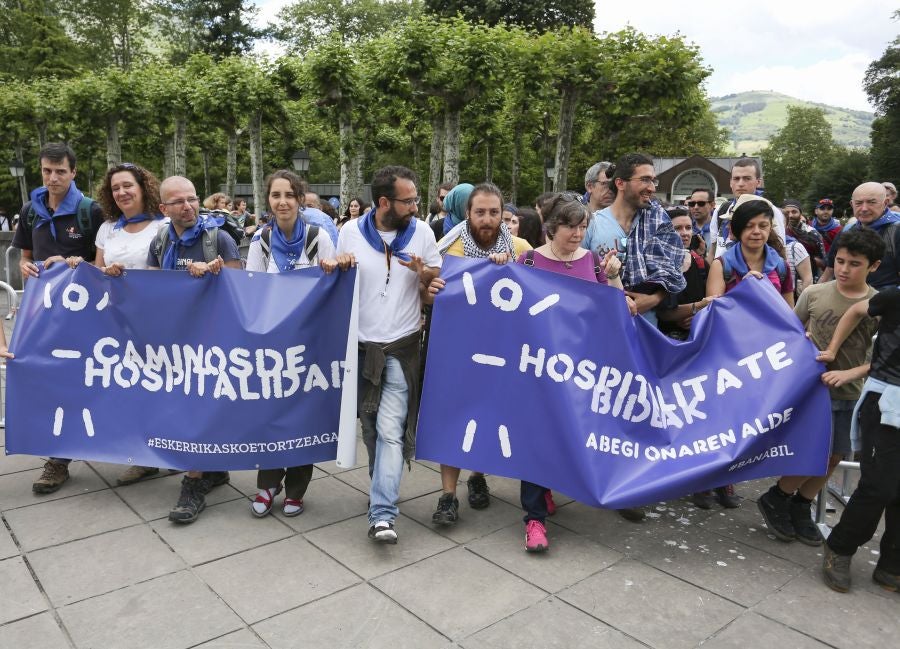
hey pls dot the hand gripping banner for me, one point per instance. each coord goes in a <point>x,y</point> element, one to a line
<point>546,378</point>
<point>154,368</point>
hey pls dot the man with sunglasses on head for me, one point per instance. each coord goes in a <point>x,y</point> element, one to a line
<point>395,253</point>
<point>192,243</point>
<point>637,226</point>
<point>58,222</point>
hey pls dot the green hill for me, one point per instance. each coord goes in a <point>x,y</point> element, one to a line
<point>753,117</point>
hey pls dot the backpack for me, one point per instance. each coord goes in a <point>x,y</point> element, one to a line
<point>82,220</point>
<point>230,224</point>
<point>210,244</point>
<point>529,261</point>
<point>311,247</point>
<point>781,268</point>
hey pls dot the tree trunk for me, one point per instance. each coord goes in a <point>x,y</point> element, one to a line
<point>231,159</point>
<point>434,160</point>
<point>451,146</point>
<point>180,146</point>
<point>113,147</point>
<point>206,191</point>
<point>345,130</point>
<point>564,140</point>
<point>515,166</point>
<point>488,162</point>
<point>42,134</point>
<point>256,160</point>
<point>169,157</point>
<point>23,183</point>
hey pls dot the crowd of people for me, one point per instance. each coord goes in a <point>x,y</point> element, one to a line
<point>669,262</point>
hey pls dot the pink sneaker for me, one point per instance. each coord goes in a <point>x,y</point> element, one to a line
<point>551,506</point>
<point>536,537</point>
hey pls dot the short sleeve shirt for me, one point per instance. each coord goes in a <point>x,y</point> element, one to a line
<point>69,241</point>
<point>127,248</point>
<point>225,246</point>
<point>886,356</point>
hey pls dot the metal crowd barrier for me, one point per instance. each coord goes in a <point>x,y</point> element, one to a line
<point>13,301</point>
<point>841,495</point>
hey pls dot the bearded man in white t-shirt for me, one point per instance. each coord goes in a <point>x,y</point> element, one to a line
<point>395,253</point>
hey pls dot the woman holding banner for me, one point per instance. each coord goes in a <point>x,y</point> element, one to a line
<point>287,243</point>
<point>129,196</point>
<point>566,219</point>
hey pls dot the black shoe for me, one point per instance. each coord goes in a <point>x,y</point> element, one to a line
<point>191,501</point>
<point>216,478</point>
<point>886,580</point>
<point>633,514</point>
<point>776,511</point>
<point>836,570</point>
<point>479,494</point>
<point>727,498</point>
<point>703,499</point>
<point>447,512</point>
<point>805,528</point>
<point>383,532</point>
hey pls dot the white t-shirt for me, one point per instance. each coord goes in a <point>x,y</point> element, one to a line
<point>127,248</point>
<point>390,310</point>
<point>721,242</point>
<point>256,259</point>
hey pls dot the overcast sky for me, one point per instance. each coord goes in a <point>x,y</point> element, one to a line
<point>811,49</point>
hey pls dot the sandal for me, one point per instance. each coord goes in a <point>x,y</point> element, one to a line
<point>262,504</point>
<point>292,507</point>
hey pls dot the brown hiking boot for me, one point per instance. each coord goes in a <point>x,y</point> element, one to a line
<point>836,570</point>
<point>54,475</point>
<point>135,473</point>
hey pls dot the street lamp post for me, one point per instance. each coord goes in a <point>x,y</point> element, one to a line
<point>300,160</point>
<point>17,170</point>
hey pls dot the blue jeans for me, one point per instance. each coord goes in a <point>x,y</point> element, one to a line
<point>383,432</point>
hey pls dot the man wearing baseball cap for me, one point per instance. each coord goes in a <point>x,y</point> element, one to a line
<point>825,223</point>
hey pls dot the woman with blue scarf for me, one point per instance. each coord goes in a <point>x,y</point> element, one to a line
<point>281,246</point>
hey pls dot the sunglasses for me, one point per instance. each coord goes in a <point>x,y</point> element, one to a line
<point>697,203</point>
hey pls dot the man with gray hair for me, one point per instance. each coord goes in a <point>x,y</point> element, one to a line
<point>870,207</point>
<point>597,186</point>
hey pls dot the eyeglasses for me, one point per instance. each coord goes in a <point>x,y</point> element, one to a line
<point>602,183</point>
<point>182,201</point>
<point>646,180</point>
<point>409,202</point>
<point>441,197</point>
<point>695,203</point>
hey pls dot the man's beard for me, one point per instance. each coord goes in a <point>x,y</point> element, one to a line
<point>393,221</point>
<point>485,240</point>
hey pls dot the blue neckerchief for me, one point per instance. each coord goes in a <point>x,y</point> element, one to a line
<point>68,207</point>
<point>287,251</point>
<point>828,227</point>
<point>883,221</point>
<point>735,259</point>
<point>187,239</point>
<point>123,220</point>
<point>404,236</point>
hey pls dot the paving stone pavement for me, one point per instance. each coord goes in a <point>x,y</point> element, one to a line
<point>96,566</point>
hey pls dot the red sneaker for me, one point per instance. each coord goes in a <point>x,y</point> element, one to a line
<point>536,537</point>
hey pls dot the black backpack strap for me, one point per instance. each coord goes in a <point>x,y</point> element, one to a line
<point>265,244</point>
<point>160,243</point>
<point>597,263</point>
<point>312,245</point>
<point>28,215</point>
<point>529,257</point>
<point>210,244</point>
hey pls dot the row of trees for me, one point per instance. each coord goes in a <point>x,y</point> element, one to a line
<point>803,161</point>
<point>448,97</point>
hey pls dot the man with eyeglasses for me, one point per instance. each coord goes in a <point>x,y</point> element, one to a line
<point>58,222</point>
<point>395,253</point>
<point>193,243</point>
<point>870,207</point>
<point>651,252</point>
<point>597,186</point>
<point>746,178</point>
<point>701,204</point>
